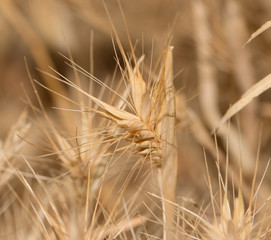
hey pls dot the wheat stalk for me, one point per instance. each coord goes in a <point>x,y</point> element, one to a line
<point>149,128</point>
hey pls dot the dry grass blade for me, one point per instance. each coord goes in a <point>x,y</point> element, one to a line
<point>257,89</point>
<point>231,219</point>
<point>263,28</point>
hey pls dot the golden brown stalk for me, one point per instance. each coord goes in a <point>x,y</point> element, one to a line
<point>169,154</point>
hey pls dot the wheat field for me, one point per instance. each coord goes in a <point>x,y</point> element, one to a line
<point>135,119</point>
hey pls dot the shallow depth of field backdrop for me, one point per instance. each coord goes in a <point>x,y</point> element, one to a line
<point>71,169</point>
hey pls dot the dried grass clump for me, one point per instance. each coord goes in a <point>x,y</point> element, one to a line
<point>231,219</point>
<point>146,122</point>
<point>229,223</point>
<point>119,156</point>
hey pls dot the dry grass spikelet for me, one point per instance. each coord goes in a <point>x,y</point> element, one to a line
<point>84,159</point>
<point>145,119</point>
<point>144,128</point>
<point>231,220</point>
<point>232,226</point>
